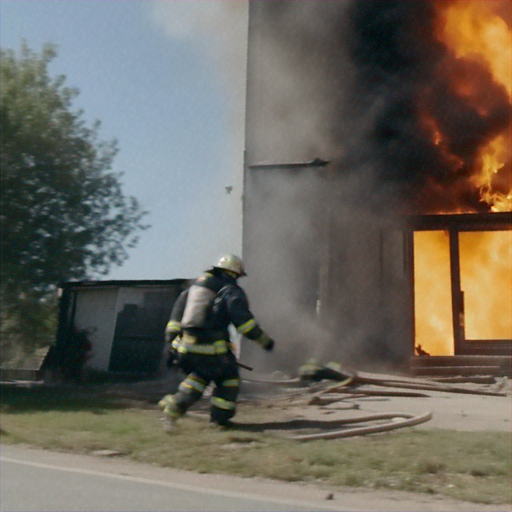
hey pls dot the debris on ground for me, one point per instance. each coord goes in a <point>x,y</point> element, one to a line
<point>339,392</point>
<point>351,381</point>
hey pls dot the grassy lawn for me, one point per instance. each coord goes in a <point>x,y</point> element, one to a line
<point>471,466</point>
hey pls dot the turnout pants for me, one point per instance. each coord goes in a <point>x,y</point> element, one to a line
<point>201,370</point>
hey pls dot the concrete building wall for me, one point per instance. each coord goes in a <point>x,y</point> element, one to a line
<point>328,273</point>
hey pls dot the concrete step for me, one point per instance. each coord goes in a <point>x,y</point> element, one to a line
<point>458,370</point>
<point>425,361</point>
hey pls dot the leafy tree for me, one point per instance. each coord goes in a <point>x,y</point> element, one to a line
<point>64,215</point>
<point>26,324</point>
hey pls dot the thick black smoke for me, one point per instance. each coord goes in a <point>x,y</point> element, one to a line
<point>387,89</point>
<point>399,60</point>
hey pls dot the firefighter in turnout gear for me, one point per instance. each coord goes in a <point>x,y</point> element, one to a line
<point>198,331</point>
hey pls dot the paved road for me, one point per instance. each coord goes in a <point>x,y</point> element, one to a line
<point>40,481</point>
<point>36,480</point>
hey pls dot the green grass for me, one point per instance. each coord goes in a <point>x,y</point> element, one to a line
<point>472,466</point>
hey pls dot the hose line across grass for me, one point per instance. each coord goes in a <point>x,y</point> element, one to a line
<point>408,420</point>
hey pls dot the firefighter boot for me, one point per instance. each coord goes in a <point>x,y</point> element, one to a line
<point>171,414</point>
<point>169,423</point>
<point>223,425</point>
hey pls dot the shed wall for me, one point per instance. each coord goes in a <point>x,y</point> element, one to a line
<point>96,313</point>
<point>124,321</point>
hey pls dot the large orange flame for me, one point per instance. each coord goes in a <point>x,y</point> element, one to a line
<point>473,30</point>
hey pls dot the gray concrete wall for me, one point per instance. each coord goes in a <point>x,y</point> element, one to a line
<point>328,269</point>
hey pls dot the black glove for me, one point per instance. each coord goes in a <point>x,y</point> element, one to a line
<point>172,358</point>
<point>269,346</point>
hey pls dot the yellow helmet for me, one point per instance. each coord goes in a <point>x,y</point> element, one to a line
<point>232,263</point>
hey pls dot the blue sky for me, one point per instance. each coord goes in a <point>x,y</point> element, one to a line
<point>166,78</point>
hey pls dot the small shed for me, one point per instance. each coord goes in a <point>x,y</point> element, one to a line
<point>123,323</point>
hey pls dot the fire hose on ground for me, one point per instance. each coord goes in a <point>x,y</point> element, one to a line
<point>347,387</point>
<point>406,419</point>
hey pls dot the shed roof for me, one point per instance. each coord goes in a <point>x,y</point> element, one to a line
<point>123,283</point>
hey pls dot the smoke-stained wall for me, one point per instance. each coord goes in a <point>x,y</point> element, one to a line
<point>320,245</point>
<point>376,85</point>
<point>328,279</point>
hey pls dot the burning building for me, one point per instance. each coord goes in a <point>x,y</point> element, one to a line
<point>377,185</point>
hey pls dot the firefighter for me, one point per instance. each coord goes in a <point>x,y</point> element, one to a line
<point>198,331</point>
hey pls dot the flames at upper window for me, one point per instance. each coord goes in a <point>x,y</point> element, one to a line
<point>473,133</point>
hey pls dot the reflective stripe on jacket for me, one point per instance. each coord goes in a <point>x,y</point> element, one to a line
<point>217,348</point>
